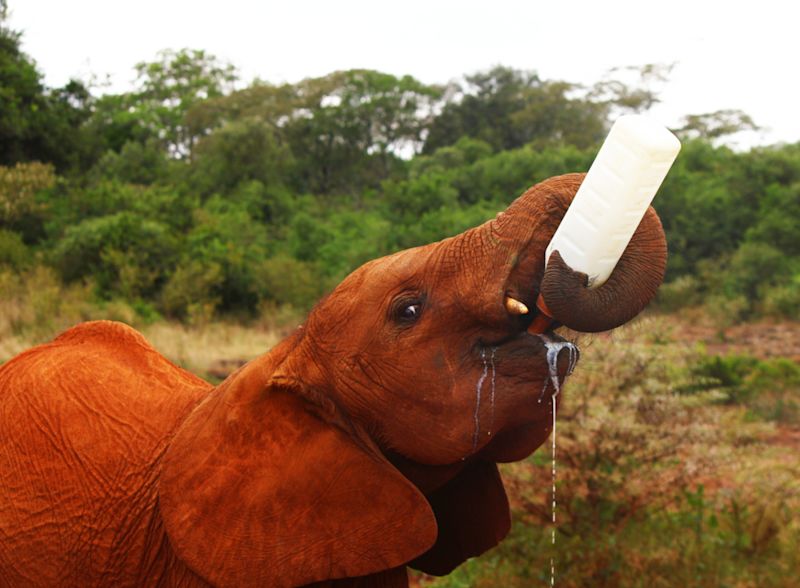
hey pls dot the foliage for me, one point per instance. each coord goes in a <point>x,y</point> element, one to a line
<point>136,162</point>
<point>14,254</point>
<point>188,177</point>
<point>508,108</point>
<point>240,152</point>
<point>170,86</point>
<point>18,188</point>
<point>190,293</point>
<point>37,123</point>
<point>770,388</point>
<point>284,280</point>
<point>124,254</point>
<point>713,125</point>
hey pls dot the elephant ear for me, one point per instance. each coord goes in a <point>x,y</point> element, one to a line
<point>260,488</point>
<point>472,515</point>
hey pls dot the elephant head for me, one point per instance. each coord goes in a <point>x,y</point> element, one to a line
<point>369,438</point>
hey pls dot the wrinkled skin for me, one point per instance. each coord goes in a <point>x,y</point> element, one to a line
<point>356,447</point>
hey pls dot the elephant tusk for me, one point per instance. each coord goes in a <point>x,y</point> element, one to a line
<point>515,306</point>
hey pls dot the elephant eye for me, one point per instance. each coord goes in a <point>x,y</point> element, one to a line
<point>407,310</point>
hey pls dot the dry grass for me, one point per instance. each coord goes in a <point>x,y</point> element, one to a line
<point>36,307</point>
<point>213,349</point>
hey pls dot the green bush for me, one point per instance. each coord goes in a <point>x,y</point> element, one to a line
<point>726,373</point>
<point>770,389</point>
<point>783,301</point>
<point>775,390</point>
<point>191,292</point>
<point>124,253</point>
<point>776,224</point>
<point>682,292</point>
<point>224,235</point>
<point>754,268</point>
<point>13,252</point>
<point>75,204</point>
<point>286,281</point>
<point>409,199</point>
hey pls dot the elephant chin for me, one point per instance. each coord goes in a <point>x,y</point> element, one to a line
<point>518,443</point>
<point>507,447</point>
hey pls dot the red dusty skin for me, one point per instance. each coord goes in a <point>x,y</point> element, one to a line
<point>543,320</point>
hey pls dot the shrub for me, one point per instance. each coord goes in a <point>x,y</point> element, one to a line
<point>19,186</point>
<point>770,388</point>
<point>783,301</point>
<point>191,291</point>
<point>718,372</point>
<point>227,237</point>
<point>13,252</point>
<point>775,390</point>
<point>754,268</point>
<point>682,292</point>
<point>124,253</point>
<point>727,310</point>
<point>36,303</point>
<point>288,281</point>
<point>650,489</point>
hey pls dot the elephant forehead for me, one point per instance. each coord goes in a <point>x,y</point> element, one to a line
<point>376,281</point>
<point>400,267</point>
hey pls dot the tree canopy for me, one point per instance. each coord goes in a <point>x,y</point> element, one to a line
<point>194,193</point>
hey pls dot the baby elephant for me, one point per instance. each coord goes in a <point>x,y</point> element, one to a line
<point>364,443</point>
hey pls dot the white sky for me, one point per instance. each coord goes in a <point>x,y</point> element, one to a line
<point>743,55</point>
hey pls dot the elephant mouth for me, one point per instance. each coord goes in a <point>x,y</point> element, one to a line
<point>551,353</point>
<point>519,383</point>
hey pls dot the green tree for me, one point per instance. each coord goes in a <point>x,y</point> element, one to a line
<point>352,125</point>
<point>37,123</point>
<point>345,130</point>
<point>119,119</point>
<point>272,104</point>
<point>630,89</point>
<point>704,205</point>
<point>136,163</point>
<point>508,108</point>
<point>169,86</point>
<point>241,151</point>
<point>714,125</point>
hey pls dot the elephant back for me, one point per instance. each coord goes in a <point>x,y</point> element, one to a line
<point>84,421</point>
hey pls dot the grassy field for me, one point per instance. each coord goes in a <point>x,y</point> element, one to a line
<point>677,459</point>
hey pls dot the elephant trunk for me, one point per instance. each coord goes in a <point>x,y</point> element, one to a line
<point>631,286</point>
<point>519,237</point>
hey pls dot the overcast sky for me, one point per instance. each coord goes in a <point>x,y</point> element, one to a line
<point>728,54</point>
